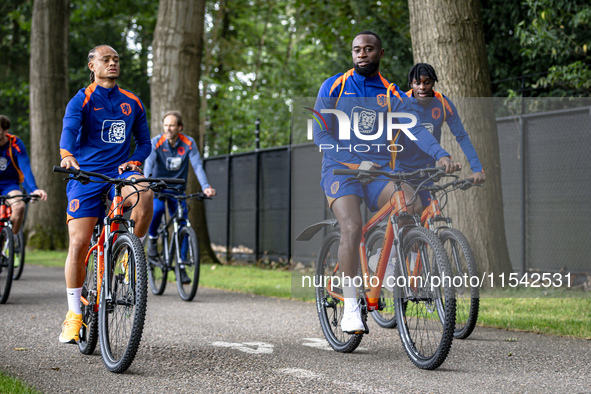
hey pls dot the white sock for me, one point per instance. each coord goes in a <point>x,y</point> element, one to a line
<point>142,238</point>
<point>74,299</point>
<point>350,294</point>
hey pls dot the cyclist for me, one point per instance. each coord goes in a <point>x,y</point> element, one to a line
<point>97,129</point>
<point>433,109</point>
<point>171,153</point>
<point>363,94</point>
<point>15,168</point>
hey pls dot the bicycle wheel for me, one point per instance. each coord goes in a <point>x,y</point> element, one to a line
<point>386,317</point>
<point>157,268</point>
<point>121,319</point>
<point>19,255</point>
<point>330,309</point>
<point>89,329</point>
<point>188,281</point>
<point>6,262</point>
<point>425,309</point>
<point>463,265</point>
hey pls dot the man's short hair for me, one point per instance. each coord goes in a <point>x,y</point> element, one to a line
<point>370,33</point>
<point>4,122</point>
<point>177,114</point>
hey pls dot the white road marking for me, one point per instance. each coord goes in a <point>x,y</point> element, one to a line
<point>248,347</point>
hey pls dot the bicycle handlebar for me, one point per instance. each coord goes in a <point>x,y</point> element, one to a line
<point>84,176</point>
<point>437,172</point>
<point>198,196</point>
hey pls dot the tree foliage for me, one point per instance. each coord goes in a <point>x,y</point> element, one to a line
<point>265,53</point>
<point>539,47</point>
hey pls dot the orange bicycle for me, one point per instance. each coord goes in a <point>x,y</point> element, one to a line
<point>461,258</point>
<point>424,302</point>
<point>114,294</point>
<point>8,262</point>
<point>463,263</point>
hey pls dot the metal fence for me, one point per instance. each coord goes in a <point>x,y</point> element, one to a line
<point>266,198</point>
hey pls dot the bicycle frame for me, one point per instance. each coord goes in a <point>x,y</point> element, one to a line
<point>174,221</point>
<point>109,232</point>
<point>432,214</point>
<point>395,210</point>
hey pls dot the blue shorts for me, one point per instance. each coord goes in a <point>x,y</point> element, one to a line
<point>6,188</point>
<point>336,186</point>
<point>85,201</point>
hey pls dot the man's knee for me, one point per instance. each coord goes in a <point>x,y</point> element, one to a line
<point>350,229</point>
<point>17,208</point>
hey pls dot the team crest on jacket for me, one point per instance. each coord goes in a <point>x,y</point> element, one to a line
<point>435,113</point>
<point>382,100</point>
<point>125,108</point>
<point>366,119</point>
<point>113,131</point>
<point>3,163</point>
<point>334,188</point>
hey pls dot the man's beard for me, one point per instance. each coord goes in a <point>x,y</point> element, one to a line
<point>366,71</point>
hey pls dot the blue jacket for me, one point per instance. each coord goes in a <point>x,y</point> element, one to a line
<point>98,125</point>
<point>367,99</point>
<point>166,161</point>
<point>15,167</point>
<point>439,110</point>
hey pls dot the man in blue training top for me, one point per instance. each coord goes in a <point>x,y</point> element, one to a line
<point>171,153</point>
<point>366,98</point>
<point>433,109</point>
<point>15,169</point>
<point>98,126</point>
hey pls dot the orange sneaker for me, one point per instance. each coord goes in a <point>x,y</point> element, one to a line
<point>71,328</point>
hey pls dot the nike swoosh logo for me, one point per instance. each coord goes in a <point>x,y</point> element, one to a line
<point>165,150</point>
<point>350,93</point>
<point>98,109</point>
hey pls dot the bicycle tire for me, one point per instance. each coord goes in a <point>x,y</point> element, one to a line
<point>386,317</point>
<point>6,263</point>
<point>19,255</point>
<point>121,320</point>
<point>330,310</point>
<point>157,268</point>
<point>191,265</point>
<point>89,330</point>
<point>425,313</point>
<point>462,263</point>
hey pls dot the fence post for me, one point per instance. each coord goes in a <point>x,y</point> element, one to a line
<point>523,152</point>
<point>257,191</point>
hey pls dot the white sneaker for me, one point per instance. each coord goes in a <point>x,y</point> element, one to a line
<point>389,280</point>
<point>351,322</point>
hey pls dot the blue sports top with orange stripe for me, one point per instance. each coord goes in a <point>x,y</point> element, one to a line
<point>167,161</point>
<point>15,167</point>
<point>368,100</point>
<point>439,110</point>
<point>98,125</point>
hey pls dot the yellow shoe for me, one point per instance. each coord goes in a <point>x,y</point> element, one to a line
<point>125,265</point>
<point>71,328</point>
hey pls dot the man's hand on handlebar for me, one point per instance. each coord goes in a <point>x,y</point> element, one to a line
<point>478,177</point>
<point>129,166</point>
<point>209,192</point>
<point>70,162</point>
<point>449,165</point>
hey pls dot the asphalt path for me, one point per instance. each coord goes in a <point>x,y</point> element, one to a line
<point>232,342</point>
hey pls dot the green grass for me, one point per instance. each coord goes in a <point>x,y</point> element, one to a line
<point>556,312</point>
<point>12,385</point>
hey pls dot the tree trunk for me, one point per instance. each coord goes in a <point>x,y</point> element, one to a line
<point>177,49</point>
<point>48,99</point>
<point>450,37</point>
